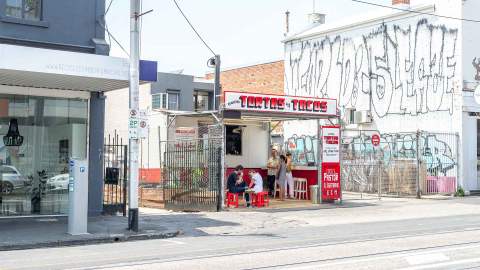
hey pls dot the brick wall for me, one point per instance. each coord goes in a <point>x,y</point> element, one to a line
<point>264,78</point>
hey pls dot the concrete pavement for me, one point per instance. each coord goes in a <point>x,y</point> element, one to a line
<point>37,232</point>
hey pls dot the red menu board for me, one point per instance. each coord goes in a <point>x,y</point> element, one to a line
<point>331,188</point>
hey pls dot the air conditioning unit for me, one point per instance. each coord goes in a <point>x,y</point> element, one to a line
<point>362,117</point>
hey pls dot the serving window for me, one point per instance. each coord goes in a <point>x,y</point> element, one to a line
<point>233,140</point>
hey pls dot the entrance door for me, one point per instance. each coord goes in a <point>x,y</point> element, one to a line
<point>115,158</point>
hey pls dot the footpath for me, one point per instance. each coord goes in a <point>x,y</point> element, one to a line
<point>38,232</point>
<point>41,232</point>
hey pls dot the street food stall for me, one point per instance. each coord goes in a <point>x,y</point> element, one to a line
<point>203,147</point>
<point>248,120</point>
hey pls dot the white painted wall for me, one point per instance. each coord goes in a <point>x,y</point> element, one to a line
<point>254,149</point>
<point>116,119</point>
<point>416,66</point>
<point>471,79</point>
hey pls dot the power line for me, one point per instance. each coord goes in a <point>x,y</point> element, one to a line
<point>417,12</point>
<point>104,25</point>
<point>108,8</point>
<point>193,28</point>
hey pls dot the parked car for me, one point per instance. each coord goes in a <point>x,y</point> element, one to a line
<point>11,179</point>
<point>58,182</point>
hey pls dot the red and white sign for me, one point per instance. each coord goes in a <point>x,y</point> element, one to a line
<point>375,140</point>
<point>331,144</point>
<point>281,104</point>
<point>331,188</point>
<point>185,134</point>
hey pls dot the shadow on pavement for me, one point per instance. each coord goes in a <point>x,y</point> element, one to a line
<point>36,232</point>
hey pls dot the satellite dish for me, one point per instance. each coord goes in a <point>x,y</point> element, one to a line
<point>476,94</point>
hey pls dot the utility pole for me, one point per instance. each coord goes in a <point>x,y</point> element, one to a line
<point>134,107</point>
<point>216,89</point>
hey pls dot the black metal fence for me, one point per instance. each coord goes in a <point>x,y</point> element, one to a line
<point>115,158</point>
<point>192,174</point>
<point>191,168</point>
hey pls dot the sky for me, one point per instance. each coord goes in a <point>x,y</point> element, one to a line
<point>243,32</point>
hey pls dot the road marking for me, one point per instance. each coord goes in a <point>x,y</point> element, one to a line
<point>294,266</point>
<point>444,264</point>
<point>174,241</point>
<point>426,258</point>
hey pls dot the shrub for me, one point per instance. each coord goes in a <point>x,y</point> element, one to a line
<point>460,192</point>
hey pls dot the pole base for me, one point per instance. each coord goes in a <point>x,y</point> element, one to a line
<point>133,219</point>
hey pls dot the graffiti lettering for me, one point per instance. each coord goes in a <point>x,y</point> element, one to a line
<point>392,69</point>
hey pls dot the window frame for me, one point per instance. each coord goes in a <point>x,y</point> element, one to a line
<point>228,142</point>
<point>23,21</point>
<point>23,12</point>
<point>173,92</point>
<point>161,97</point>
<point>195,100</point>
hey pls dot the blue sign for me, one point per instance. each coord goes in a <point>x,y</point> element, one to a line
<point>148,71</point>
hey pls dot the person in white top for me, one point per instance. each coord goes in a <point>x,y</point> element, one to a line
<point>257,181</point>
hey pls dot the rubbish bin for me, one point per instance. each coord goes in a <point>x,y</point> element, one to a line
<point>314,194</point>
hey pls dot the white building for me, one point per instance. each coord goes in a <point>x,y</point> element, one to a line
<point>407,69</point>
<point>172,93</point>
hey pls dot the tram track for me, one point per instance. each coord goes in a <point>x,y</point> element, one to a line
<point>295,246</point>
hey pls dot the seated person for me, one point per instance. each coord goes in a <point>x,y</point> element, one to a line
<point>257,181</point>
<point>235,183</point>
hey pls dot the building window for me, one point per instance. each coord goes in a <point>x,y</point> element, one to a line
<point>200,101</point>
<point>173,100</point>
<point>24,9</point>
<point>157,101</point>
<point>350,116</point>
<point>233,140</point>
<point>34,172</point>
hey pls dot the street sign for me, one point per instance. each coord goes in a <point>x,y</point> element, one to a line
<point>142,124</point>
<point>375,140</point>
<point>133,123</point>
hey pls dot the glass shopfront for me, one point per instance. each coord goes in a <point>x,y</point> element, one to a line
<point>38,136</point>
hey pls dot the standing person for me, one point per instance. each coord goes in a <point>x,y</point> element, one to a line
<point>289,176</point>
<point>272,166</point>
<point>235,183</point>
<point>282,176</point>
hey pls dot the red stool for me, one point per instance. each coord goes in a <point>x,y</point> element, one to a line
<point>260,199</point>
<point>232,199</point>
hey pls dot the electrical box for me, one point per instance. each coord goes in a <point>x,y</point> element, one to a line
<point>78,197</point>
<point>362,117</point>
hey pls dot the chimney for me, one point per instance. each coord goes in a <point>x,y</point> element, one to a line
<point>316,18</point>
<point>287,22</point>
<point>401,3</point>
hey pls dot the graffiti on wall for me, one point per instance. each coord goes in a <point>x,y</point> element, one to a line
<point>476,65</point>
<point>303,149</point>
<point>410,69</point>
<point>437,151</point>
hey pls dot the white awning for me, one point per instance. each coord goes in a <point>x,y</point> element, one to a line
<point>53,69</point>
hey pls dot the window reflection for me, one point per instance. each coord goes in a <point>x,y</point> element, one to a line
<point>34,175</point>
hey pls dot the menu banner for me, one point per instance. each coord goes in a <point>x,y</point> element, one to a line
<point>331,144</point>
<point>331,171</point>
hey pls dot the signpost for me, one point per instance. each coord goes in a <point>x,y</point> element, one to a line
<point>133,121</point>
<point>330,186</point>
<point>375,140</point>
